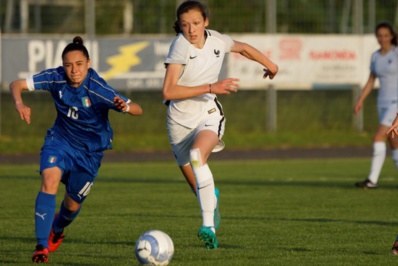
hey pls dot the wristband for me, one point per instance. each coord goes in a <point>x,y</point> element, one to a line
<point>127,109</point>
<point>210,88</point>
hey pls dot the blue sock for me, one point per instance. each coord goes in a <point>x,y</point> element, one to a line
<point>44,216</point>
<point>64,218</point>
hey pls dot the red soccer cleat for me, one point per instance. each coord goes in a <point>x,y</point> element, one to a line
<point>40,254</point>
<point>55,239</point>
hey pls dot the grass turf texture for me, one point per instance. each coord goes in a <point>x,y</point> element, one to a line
<point>276,212</point>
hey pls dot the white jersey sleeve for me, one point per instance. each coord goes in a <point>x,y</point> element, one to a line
<point>30,83</point>
<point>179,50</point>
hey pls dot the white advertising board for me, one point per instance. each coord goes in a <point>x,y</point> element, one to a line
<point>306,61</point>
<point>137,63</point>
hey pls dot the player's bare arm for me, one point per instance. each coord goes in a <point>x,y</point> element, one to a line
<point>365,92</point>
<point>248,51</point>
<point>16,88</point>
<point>130,108</point>
<point>173,91</point>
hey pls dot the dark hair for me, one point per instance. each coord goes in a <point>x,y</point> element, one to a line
<point>187,6</point>
<point>76,45</point>
<point>388,26</point>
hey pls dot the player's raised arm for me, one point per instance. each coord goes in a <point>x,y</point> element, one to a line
<point>248,51</point>
<point>16,88</point>
<point>129,107</point>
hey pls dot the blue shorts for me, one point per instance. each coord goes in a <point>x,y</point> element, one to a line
<point>79,168</point>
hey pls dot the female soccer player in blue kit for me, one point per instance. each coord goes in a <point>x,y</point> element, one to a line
<point>74,146</point>
<point>195,119</point>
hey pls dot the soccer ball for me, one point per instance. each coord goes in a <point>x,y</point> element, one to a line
<point>154,248</point>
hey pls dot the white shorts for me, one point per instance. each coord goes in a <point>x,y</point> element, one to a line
<point>182,138</point>
<point>387,113</point>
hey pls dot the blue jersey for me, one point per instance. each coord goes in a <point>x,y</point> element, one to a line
<point>82,112</point>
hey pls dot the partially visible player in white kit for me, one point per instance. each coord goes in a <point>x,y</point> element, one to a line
<point>195,119</point>
<point>384,66</point>
<point>393,133</point>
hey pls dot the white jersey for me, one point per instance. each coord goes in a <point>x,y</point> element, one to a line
<point>385,68</point>
<point>201,66</point>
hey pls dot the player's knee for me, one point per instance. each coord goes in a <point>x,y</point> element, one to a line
<point>195,158</point>
<point>70,204</point>
<point>51,178</point>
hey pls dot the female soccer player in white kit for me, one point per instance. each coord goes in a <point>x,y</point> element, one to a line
<point>393,132</point>
<point>384,65</point>
<point>195,119</point>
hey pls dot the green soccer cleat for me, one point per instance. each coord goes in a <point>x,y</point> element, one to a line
<point>208,236</point>
<point>217,216</point>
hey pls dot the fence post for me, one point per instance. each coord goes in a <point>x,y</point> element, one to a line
<point>357,120</point>
<point>89,13</point>
<point>270,14</point>
<point>271,124</point>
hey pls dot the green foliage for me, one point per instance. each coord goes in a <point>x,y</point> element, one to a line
<point>278,212</point>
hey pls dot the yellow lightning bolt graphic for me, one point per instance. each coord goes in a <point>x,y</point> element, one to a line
<point>125,60</point>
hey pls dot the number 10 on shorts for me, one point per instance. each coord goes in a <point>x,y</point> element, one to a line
<point>85,190</point>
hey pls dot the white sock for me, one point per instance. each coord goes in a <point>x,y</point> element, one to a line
<point>394,155</point>
<point>379,154</point>
<point>205,193</point>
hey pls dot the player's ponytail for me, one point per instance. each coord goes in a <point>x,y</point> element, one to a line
<point>185,7</point>
<point>176,27</point>
<point>76,45</point>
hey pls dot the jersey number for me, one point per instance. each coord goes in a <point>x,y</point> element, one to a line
<point>73,112</point>
<point>85,190</point>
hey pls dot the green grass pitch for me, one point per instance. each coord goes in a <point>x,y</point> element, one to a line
<point>274,212</point>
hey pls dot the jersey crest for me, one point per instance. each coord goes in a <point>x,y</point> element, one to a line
<point>86,102</point>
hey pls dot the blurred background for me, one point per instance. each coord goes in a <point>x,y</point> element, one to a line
<point>104,17</point>
<point>278,114</point>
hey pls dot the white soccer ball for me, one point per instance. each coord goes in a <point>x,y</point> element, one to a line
<point>154,248</point>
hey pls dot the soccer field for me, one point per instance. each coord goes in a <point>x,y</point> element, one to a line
<point>274,212</point>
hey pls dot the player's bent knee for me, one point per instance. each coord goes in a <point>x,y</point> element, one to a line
<point>70,204</point>
<point>195,157</point>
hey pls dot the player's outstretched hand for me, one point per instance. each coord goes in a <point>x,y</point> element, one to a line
<point>269,73</point>
<point>393,129</point>
<point>120,104</point>
<point>225,86</point>
<point>24,112</point>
